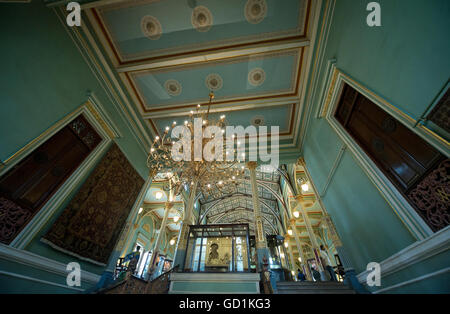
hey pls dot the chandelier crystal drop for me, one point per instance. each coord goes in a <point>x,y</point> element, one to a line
<point>222,175</point>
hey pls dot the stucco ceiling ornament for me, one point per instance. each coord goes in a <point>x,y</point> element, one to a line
<point>173,87</point>
<point>255,11</point>
<point>151,27</point>
<point>214,82</point>
<point>256,76</point>
<point>201,18</point>
<point>257,120</point>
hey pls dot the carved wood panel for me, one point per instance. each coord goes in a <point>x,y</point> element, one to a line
<point>29,184</point>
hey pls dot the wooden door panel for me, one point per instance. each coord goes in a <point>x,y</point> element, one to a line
<point>417,169</point>
<point>29,184</point>
<point>382,152</point>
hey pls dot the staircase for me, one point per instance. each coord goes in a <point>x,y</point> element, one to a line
<point>308,287</point>
<point>135,285</point>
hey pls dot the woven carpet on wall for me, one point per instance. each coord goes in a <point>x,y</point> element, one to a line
<point>90,225</point>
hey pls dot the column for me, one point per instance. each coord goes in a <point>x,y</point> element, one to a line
<point>312,236</point>
<point>291,255</point>
<point>184,231</point>
<point>157,245</point>
<point>303,263</point>
<point>261,243</point>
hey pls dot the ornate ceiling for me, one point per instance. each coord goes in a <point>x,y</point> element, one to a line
<point>166,56</point>
<point>162,57</point>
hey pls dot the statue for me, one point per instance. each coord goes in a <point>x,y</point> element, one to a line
<point>213,255</point>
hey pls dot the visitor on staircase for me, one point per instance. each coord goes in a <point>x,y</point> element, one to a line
<point>327,263</point>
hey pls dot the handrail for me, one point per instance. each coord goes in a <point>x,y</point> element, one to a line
<point>160,284</point>
<point>169,271</point>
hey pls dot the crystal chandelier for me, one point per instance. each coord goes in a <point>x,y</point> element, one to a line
<point>222,175</point>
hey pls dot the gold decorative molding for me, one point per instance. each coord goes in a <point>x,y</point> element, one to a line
<point>169,205</point>
<point>301,161</point>
<point>330,93</point>
<point>252,165</point>
<point>99,119</point>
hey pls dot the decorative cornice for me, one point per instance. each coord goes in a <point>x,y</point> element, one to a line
<point>102,71</point>
<point>318,47</point>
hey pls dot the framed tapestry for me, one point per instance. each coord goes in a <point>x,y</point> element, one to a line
<point>91,224</point>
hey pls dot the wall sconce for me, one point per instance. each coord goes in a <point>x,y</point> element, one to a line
<point>303,184</point>
<point>305,187</point>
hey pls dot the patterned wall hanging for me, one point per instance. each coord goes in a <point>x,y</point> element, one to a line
<point>90,225</point>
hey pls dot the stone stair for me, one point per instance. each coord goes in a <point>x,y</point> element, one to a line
<point>308,287</point>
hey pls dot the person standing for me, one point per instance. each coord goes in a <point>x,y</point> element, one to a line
<point>300,276</point>
<point>327,263</point>
<point>315,273</point>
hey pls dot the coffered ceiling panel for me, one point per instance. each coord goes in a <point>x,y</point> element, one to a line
<point>280,116</point>
<point>152,28</point>
<point>232,79</point>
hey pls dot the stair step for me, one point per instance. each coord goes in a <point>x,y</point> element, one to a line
<point>306,288</point>
<point>312,283</point>
<point>316,292</point>
<point>327,287</point>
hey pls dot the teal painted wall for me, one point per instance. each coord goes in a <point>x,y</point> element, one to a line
<point>44,78</point>
<point>405,62</point>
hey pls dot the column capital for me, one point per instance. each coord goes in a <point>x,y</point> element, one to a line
<point>301,161</point>
<point>168,205</point>
<point>292,221</point>
<point>152,172</point>
<point>298,198</point>
<point>252,165</point>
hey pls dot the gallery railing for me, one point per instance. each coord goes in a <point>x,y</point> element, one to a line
<point>135,285</point>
